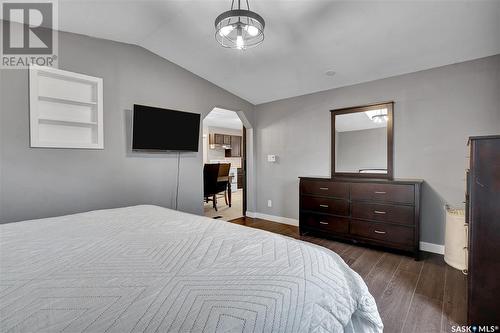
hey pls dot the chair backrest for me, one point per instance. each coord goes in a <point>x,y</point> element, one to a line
<point>224,169</point>
<point>210,175</point>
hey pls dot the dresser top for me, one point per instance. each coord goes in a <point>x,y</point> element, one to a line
<point>365,180</point>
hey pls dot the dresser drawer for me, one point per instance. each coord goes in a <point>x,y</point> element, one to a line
<point>326,188</point>
<point>325,205</point>
<point>384,213</point>
<point>383,232</point>
<point>383,192</point>
<point>324,222</point>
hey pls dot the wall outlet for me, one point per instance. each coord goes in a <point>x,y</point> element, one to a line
<point>269,203</point>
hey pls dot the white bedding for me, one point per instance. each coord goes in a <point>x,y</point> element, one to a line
<point>151,269</point>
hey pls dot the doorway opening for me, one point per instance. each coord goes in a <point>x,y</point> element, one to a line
<point>224,165</point>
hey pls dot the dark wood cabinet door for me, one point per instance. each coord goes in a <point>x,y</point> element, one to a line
<point>235,146</point>
<point>218,139</point>
<point>484,230</point>
<point>240,179</point>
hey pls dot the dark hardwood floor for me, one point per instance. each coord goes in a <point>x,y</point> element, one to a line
<point>423,296</point>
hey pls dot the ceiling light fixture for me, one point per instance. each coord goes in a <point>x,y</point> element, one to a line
<point>239,28</point>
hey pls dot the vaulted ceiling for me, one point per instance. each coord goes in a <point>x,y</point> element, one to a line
<point>359,40</point>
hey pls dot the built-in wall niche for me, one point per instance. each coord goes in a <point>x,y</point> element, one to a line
<point>65,109</point>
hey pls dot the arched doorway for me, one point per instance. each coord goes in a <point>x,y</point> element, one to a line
<point>224,144</point>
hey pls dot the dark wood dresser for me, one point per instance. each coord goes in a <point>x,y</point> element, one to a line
<point>377,212</point>
<point>483,216</point>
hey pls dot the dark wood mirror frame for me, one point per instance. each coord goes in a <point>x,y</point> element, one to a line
<point>390,139</point>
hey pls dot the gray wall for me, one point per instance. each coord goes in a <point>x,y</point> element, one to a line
<point>435,111</point>
<point>362,149</point>
<point>39,182</point>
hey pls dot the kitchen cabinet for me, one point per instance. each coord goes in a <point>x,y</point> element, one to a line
<point>217,139</point>
<point>232,143</point>
<point>221,139</point>
<point>236,146</point>
<point>240,178</point>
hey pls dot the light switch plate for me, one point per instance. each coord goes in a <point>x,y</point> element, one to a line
<point>271,158</point>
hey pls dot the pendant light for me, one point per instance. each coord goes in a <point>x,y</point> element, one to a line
<point>239,28</point>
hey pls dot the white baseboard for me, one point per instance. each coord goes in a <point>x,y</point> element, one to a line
<point>250,214</point>
<point>431,247</point>
<point>424,246</point>
<point>279,219</point>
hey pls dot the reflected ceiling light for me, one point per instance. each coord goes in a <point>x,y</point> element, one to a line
<point>239,28</point>
<point>377,116</point>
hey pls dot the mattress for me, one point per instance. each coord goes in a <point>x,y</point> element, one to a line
<point>152,269</point>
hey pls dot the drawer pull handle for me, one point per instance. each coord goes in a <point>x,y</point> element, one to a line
<point>324,188</point>
<point>379,232</point>
<point>324,206</point>
<point>380,192</point>
<point>321,222</point>
<point>378,212</point>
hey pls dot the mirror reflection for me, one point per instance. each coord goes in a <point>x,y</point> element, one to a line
<point>361,141</point>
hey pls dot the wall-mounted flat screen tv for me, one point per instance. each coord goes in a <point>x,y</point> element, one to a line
<point>164,129</point>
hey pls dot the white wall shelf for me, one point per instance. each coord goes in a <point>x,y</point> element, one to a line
<point>67,122</point>
<point>65,109</point>
<point>65,101</point>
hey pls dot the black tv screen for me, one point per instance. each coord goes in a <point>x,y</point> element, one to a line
<point>163,129</point>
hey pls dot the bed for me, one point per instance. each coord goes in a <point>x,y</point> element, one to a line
<point>151,269</point>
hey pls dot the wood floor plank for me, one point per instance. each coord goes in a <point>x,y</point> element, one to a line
<point>396,299</point>
<point>366,262</point>
<point>351,254</point>
<point>431,282</point>
<point>412,296</point>
<point>455,303</point>
<point>424,315</point>
<point>336,247</point>
<point>411,265</point>
<point>380,276</point>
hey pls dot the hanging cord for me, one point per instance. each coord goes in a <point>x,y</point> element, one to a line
<point>178,173</point>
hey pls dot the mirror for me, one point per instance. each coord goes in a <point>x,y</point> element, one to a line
<point>362,141</point>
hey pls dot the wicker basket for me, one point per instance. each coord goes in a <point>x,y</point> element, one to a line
<point>455,245</point>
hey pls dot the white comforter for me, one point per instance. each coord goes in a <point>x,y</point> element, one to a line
<point>151,269</point>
